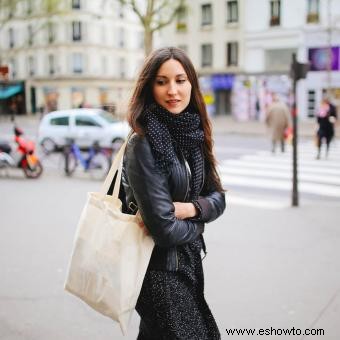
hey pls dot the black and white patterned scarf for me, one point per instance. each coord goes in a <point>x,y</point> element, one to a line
<point>168,132</point>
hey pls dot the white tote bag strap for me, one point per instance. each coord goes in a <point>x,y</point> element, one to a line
<point>117,165</point>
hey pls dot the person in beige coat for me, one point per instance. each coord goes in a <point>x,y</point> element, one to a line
<point>277,120</point>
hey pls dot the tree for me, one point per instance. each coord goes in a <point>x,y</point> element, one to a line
<point>155,15</point>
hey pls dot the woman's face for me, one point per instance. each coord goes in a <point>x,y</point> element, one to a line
<point>172,89</point>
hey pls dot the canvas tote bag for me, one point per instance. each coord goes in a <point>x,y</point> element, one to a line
<point>110,253</point>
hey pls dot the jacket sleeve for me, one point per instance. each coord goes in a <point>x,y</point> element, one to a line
<point>151,191</point>
<point>211,202</point>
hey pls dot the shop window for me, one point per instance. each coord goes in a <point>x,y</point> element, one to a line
<point>232,11</point>
<point>207,55</point>
<point>311,103</point>
<point>232,53</point>
<point>206,15</point>
<point>313,11</point>
<point>275,13</point>
<point>76,31</point>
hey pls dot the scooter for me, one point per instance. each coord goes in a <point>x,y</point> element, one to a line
<point>28,160</point>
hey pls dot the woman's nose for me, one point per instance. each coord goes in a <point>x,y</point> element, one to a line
<point>172,89</point>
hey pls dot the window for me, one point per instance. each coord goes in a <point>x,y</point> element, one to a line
<point>50,33</point>
<point>232,53</point>
<point>120,11</point>
<point>13,67</point>
<point>313,11</point>
<point>232,11</point>
<point>86,121</point>
<point>29,7</point>
<point>51,64</point>
<point>275,13</point>
<point>122,67</point>
<point>31,66</point>
<point>121,39</point>
<point>181,25</point>
<point>75,4</point>
<point>206,15</point>
<point>104,65</point>
<point>206,55</point>
<point>61,121</point>
<point>11,38</point>
<point>76,30</point>
<point>30,35</point>
<point>77,59</point>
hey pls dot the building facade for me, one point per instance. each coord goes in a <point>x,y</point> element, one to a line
<point>87,55</point>
<point>242,50</point>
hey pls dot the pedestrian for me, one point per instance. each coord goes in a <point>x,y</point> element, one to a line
<point>326,117</point>
<point>169,175</point>
<point>277,119</point>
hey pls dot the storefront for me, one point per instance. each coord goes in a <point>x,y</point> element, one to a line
<point>12,98</point>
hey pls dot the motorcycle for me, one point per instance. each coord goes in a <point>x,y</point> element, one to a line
<point>27,161</point>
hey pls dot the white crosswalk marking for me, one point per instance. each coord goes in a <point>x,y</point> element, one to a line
<point>262,169</point>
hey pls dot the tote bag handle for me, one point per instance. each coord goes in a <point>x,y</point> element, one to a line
<point>117,166</point>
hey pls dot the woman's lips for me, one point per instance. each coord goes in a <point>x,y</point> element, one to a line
<point>173,102</point>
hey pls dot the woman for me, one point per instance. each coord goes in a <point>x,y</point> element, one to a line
<point>169,175</point>
<point>326,117</point>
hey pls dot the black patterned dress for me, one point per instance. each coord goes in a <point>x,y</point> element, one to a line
<point>172,304</point>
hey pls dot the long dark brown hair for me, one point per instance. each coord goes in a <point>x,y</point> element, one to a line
<point>143,96</point>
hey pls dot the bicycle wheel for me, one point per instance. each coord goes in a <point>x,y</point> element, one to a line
<point>99,166</point>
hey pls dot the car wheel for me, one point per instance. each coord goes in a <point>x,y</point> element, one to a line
<point>48,145</point>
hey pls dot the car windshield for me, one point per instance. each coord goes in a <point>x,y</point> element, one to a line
<point>108,117</point>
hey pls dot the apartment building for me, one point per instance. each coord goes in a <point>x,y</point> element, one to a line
<point>86,56</point>
<point>242,50</point>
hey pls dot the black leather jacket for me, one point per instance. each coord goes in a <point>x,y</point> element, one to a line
<point>153,193</point>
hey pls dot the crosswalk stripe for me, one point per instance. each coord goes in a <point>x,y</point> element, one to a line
<point>284,167</point>
<point>310,188</point>
<point>321,178</point>
<point>259,158</point>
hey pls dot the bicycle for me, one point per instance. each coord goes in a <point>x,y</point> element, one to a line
<point>97,163</point>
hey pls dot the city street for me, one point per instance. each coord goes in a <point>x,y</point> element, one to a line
<point>268,265</point>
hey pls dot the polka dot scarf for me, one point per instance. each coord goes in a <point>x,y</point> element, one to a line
<point>168,132</point>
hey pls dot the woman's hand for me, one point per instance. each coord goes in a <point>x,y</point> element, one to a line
<point>184,210</point>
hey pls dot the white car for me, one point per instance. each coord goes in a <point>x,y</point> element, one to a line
<point>84,126</point>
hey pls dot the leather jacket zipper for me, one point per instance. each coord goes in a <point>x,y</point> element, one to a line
<point>187,169</point>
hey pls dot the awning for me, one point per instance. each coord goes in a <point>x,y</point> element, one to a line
<point>9,91</point>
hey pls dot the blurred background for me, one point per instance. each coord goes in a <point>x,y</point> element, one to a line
<point>67,69</point>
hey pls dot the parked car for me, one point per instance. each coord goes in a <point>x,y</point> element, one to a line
<point>84,126</point>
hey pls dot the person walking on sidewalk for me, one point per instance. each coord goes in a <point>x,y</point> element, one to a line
<point>277,119</point>
<point>169,176</point>
<point>326,117</point>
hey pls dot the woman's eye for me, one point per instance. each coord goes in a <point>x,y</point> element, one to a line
<point>181,81</point>
<point>160,82</point>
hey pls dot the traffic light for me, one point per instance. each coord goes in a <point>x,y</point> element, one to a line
<point>298,70</point>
